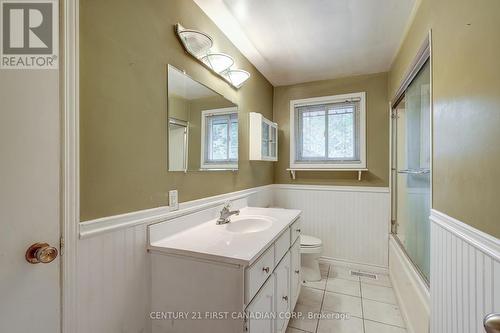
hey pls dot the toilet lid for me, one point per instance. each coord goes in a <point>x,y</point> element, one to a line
<point>309,241</point>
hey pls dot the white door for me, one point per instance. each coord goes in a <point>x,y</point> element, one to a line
<point>261,310</point>
<point>177,147</point>
<point>283,297</point>
<point>295,275</point>
<point>29,199</point>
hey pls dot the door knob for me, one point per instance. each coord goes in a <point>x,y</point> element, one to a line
<point>492,323</point>
<point>41,253</point>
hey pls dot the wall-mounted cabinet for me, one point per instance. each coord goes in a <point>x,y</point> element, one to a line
<point>263,138</point>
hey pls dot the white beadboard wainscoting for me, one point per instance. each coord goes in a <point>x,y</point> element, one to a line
<point>113,269</point>
<point>353,222</point>
<point>465,276</point>
<point>113,282</point>
<point>113,279</point>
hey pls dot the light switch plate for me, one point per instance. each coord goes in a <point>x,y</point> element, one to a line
<point>173,201</point>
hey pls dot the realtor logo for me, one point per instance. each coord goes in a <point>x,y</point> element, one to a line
<point>29,34</point>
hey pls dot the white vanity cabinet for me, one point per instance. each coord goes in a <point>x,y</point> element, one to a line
<point>263,138</point>
<point>286,281</point>
<point>274,298</point>
<point>223,294</point>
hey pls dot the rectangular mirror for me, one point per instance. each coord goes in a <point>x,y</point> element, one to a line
<point>202,126</point>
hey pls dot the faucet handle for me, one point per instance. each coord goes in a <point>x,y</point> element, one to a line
<point>227,205</point>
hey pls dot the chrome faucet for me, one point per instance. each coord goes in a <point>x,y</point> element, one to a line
<point>225,214</point>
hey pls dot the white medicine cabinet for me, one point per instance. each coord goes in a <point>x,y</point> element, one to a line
<point>263,138</point>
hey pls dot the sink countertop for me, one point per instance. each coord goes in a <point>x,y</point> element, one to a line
<point>214,242</point>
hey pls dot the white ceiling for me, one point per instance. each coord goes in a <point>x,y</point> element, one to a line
<point>182,85</point>
<point>293,41</point>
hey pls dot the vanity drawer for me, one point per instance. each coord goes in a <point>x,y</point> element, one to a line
<point>258,273</point>
<point>295,231</point>
<point>281,246</point>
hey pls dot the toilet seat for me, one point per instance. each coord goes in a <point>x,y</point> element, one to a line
<point>307,241</point>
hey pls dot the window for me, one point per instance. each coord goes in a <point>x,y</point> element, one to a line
<point>219,139</point>
<point>328,132</point>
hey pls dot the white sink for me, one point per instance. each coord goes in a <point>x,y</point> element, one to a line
<point>248,224</point>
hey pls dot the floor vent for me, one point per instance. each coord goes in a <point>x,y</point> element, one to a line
<point>363,274</point>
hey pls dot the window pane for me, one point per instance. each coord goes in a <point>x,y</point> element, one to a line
<point>313,134</point>
<point>330,133</point>
<point>233,149</point>
<point>273,141</point>
<point>265,139</point>
<point>219,141</point>
<point>341,133</point>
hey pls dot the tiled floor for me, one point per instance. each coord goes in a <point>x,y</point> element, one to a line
<point>341,303</point>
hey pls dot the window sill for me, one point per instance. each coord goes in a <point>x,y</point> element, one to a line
<point>293,170</point>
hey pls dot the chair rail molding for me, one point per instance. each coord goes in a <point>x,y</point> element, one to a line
<point>159,214</point>
<point>484,242</point>
<point>465,275</point>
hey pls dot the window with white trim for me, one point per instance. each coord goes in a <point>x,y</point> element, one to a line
<point>328,132</point>
<point>219,139</point>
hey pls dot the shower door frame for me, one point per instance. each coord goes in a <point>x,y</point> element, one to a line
<point>423,56</point>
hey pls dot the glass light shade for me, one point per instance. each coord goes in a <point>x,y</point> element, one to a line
<point>237,77</point>
<point>219,62</point>
<point>195,42</point>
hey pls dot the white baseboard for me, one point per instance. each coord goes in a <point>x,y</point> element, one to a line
<point>411,291</point>
<point>355,265</point>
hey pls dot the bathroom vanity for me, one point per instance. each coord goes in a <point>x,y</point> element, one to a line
<point>243,276</point>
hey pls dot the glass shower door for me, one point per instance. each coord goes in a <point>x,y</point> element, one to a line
<point>411,171</point>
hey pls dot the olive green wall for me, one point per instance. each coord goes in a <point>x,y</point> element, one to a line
<point>178,107</point>
<point>377,129</point>
<point>466,99</point>
<point>416,35</point>
<point>125,46</point>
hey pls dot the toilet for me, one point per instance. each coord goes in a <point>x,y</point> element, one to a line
<point>310,251</point>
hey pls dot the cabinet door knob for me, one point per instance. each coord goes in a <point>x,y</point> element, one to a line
<point>285,298</point>
<point>298,230</point>
<point>41,253</point>
<point>266,269</point>
<point>297,271</point>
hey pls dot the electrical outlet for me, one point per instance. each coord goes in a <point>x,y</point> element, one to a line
<point>173,201</point>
